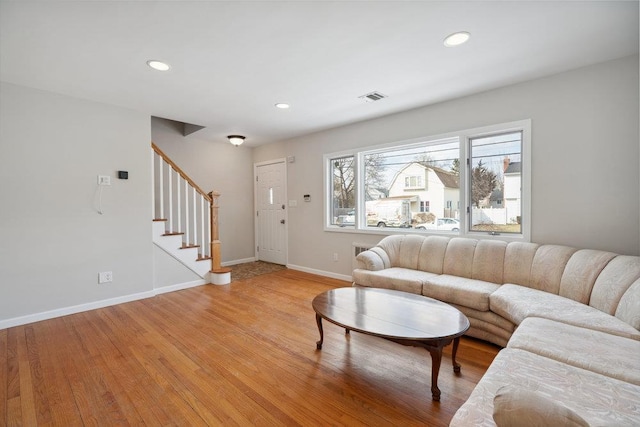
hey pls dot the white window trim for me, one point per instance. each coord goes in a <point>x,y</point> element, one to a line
<point>464,136</point>
<point>465,156</point>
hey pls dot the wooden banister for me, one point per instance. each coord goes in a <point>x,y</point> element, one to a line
<point>216,258</point>
<point>180,171</point>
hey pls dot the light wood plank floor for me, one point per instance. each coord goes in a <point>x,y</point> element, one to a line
<point>243,354</point>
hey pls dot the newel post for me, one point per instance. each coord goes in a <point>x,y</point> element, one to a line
<point>218,275</point>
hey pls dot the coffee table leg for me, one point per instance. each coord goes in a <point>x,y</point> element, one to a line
<point>319,322</point>
<point>456,365</point>
<point>436,360</point>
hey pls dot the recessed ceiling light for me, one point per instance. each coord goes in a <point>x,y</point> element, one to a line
<point>456,39</point>
<point>158,65</point>
<point>282,105</point>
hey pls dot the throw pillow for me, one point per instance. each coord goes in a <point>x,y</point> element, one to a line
<point>517,407</point>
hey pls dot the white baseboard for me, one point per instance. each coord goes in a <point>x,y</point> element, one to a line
<point>320,272</point>
<point>45,315</point>
<point>179,286</point>
<point>237,261</point>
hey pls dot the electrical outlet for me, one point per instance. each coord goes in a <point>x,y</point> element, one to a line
<point>105,277</point>
<point>104,180</point>
<point>335,256</point>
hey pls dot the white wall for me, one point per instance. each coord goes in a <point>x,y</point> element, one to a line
<point>54,242</point>
<point>168,272</point>
<point>221,167</point>
<point>584,126</point>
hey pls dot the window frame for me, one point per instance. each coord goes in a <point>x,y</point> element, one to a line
<point>464,140</point>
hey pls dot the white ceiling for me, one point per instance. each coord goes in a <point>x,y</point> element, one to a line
<point>232,61</point>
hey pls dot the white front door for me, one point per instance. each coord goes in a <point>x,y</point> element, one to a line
<point>271,213</point>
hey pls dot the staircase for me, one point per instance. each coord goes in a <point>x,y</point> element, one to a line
<point>185,220</point>
<point>188,254</point>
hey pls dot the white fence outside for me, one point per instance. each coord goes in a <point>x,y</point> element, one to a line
<point>488,216</point>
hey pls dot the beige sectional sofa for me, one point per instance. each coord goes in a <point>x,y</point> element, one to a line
<point>569,319</point>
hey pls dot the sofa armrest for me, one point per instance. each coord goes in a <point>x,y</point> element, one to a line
<point>371,260</point>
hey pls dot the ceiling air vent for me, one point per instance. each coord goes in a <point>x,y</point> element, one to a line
<point>373,96</point>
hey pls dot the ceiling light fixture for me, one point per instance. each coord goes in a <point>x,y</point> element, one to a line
<point>456,39</point>
<point>282,105</point>
<point>158,65</point>
<point>236,139</point>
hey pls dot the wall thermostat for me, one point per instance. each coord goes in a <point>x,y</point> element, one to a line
<point>307,197</point>
<point>123,175</point>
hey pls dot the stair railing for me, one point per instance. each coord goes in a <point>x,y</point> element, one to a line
<point>185,208</point>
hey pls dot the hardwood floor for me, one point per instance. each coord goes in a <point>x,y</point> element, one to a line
<point>243,354</point>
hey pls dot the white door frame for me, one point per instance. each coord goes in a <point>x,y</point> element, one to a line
<point>255,207</point>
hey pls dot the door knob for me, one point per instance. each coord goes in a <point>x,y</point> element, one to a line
<point>282,221</point>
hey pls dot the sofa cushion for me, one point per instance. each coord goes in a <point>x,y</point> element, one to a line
<point>391,246</point>
<point>599,400</point>
<point>400,279</point>
<point>409,252</point>
<point>432,254</point>
<point>596,351</point>
<point>629,308</point>
<point>458,259</point>
<point>613,282</point>
<point>516,303</point>
<point>488,261</point>
<point>548,266</point>
<point>518,258</point>
<point>458,290</point>
<point>581,272</point>
<point>515,406</point>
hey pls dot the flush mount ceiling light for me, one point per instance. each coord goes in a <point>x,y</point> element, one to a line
<point>282,105</point>
<point>456,39</point>
<point>158,65</point>
<point>236,139</point>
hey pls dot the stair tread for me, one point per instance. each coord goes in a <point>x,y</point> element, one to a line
<point>173,233</point>
<point>189,246</point>
<point>160,219</point>
<point>203,258</point>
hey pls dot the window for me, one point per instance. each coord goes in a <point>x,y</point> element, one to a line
<point>343,199</point>
<point>413,181</point>
<point>409,179</point>
<point>419,185</point>
<point>496,176</point>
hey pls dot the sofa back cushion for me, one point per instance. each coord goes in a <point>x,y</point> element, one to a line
<point>432,254</point>
<point>613,282</point>
<point>581,272</point>
<point>458,259</point>
<point>518,259</point>
<point>488,261</point>
<point>629,307</point>
<point>548,266</point>
<point>409,252</point>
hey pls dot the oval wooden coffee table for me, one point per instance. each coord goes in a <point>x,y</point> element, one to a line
<point>401,317</point>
